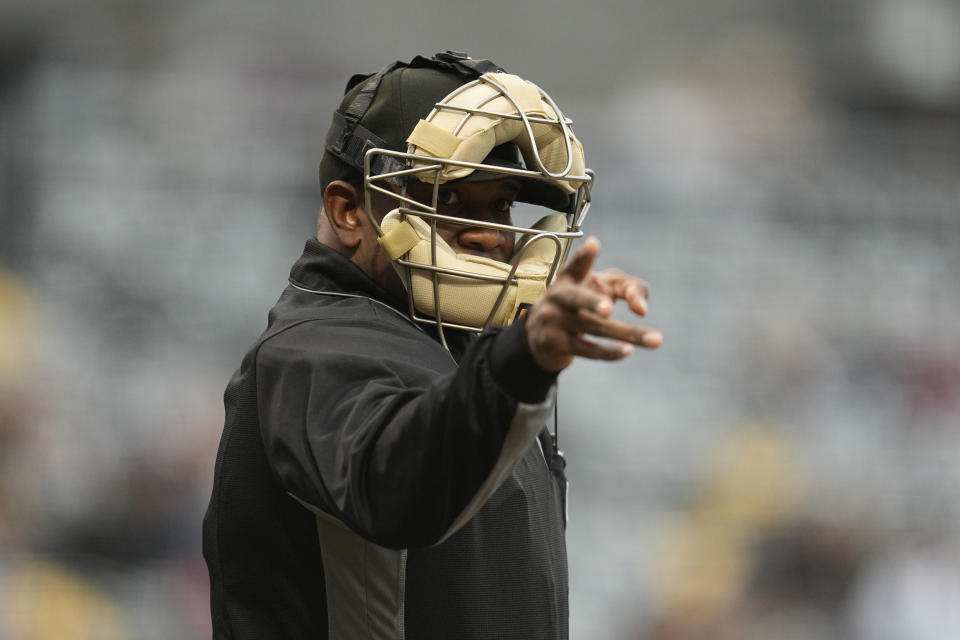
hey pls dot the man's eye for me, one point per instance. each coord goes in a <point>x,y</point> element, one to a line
<point>447,198</point>
<point>503,206</point>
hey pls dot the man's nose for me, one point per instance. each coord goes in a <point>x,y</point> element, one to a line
<point>486,241</point>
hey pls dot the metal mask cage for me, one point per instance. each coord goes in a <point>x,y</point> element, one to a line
<point>386,184</point>
<point>387,173</point>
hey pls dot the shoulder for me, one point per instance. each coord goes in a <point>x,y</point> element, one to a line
<point>334,326</point>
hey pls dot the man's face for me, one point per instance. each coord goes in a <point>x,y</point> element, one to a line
<point>488,201</point>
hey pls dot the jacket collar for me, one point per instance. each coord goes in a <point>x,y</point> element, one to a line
<point>323,269</point>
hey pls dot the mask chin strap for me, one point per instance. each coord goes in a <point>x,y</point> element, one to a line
<point>467,291</point>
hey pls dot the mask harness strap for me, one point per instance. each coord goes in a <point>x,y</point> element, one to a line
<point>349,141</point>
<point>462,64</point>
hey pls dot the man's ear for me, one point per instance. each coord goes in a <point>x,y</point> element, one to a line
<point>343,205</point>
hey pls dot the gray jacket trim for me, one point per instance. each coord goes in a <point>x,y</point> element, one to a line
<point>365,583</point>
<point>528,422</point>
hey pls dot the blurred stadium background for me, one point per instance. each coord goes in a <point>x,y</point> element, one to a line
<point>785,174</point>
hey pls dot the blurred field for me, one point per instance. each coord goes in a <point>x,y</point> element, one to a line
<point>786,175</point>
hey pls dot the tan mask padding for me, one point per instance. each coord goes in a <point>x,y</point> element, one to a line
<point>465,300</point>
<point>469,137</point>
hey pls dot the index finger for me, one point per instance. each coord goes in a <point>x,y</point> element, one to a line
<point>578,268</point>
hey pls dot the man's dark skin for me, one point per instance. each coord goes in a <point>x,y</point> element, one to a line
<point>578,304</point>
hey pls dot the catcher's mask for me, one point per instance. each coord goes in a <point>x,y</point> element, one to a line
<point>491,125</point>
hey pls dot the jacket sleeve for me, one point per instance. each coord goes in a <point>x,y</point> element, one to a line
<point>374,424</point>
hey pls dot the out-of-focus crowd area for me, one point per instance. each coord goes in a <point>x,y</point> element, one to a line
<point>786,175</point>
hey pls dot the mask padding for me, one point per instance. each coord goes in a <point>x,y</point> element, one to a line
<point>452,133</point>
<point>463,299</point>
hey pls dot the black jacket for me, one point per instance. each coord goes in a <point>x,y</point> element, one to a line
<point>371,484</point>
